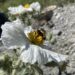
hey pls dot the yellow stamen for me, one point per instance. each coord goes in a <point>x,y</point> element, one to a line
<point>35,37</point>
<point>26,6</point>
<point>39,40</point>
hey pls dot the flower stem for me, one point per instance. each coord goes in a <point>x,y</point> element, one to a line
<point>15,69</point>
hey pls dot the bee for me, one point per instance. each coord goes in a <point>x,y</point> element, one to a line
<point>37,36</point>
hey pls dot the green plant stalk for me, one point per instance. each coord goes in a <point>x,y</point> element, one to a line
<point>15,69</point>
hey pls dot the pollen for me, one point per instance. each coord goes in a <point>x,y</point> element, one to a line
<point>35,38</point>
<point>26,6</point>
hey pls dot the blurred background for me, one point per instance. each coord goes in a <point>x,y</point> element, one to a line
<point>4,4</point>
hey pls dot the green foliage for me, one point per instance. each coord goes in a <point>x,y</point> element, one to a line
<point>2,1</point>
<point>28,69</point>
<point>6,64</point>
<point>4,4</point>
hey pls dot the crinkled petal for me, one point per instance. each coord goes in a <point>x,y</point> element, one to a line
<point>13,34</point>
<point>40,55</point>
<point>36,6</point>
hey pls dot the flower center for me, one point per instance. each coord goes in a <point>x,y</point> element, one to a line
<point>26,6</point>
<point>36,37</point>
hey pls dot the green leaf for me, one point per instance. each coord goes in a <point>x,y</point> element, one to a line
<point>51,64</point>
<point>37,69</point>
<point>49,36</point>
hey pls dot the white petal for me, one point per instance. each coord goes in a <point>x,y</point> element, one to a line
<point>13,34</point>
<point>19,10</point>
<point>28,9</point>
<point>36,6</point>
<point>16,10</point>
<point>27,30</point>
<point>40,55</point>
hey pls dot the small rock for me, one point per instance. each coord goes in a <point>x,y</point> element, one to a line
<point>49,8</point>
<point>50,24</point>
<point>57,32</point>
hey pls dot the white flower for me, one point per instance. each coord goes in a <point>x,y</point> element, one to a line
<point>23,9</point>
<point>35,6</point>
<point>16,10</point>
<point>37,54</point>
<point>13,36</point>
<point>19,10</point>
